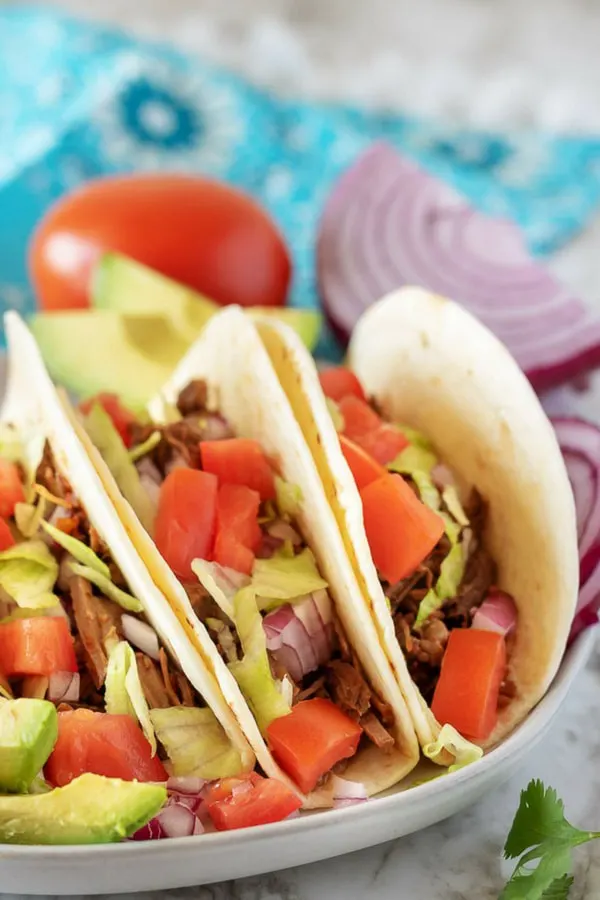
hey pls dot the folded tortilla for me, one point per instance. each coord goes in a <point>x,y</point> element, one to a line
<point>428,364</point>
<point>37,414</point>
<point>242,385</point>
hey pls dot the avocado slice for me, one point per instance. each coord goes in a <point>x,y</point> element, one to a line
<point>100,350</point>
<point>123,285</point>
<point>28,732</point>
<point>91,809</point>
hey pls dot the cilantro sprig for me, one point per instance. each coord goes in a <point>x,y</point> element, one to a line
<point>540,832</point>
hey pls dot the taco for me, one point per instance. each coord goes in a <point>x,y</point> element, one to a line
<point>227,511</point>
<point>82,623</point>
<point>450,492</point>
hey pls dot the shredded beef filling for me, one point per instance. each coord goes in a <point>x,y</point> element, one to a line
<point>424,646</point>
<point>96,620</point>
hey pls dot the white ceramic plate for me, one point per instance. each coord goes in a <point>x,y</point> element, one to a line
<point>313,836</point>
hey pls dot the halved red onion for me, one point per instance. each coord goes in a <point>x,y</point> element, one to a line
<point>580,444</point>
<point>348,790</point>
<point>63,687</point>
<point>284,532</point>
<point>289,642</point>
<point>141,635</point>
<point>497,613</point>
<point>388,223</point>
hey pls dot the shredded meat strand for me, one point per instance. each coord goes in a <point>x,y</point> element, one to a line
<point>95,617</point>
<point>166,676</point>
<point>348,688</point>
<point>376,733</point>
<point>192,399</point>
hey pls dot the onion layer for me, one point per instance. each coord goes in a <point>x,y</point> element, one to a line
<point>298,637</point>
<point>497,613</point>
<point>141,635</point>
<point>63,687</point>
<point>388,223</point>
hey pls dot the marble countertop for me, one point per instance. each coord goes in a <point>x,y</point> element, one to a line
<point>482,70</point>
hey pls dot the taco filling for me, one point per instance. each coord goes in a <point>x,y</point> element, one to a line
<point>227,525</point>
<point>71,632</point>
<point>455,626</point>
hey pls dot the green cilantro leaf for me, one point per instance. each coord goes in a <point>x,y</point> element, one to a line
<point>540,833</point>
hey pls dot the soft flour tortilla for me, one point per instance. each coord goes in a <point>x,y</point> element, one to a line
<point>431,365</point>
<point>33,407</point>
<point>242,385</point>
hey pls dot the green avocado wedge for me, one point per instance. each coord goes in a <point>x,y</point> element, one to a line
<point>125,286</point>
<point>90,810</point>
<point>100,350</point>
<point>28,732</point>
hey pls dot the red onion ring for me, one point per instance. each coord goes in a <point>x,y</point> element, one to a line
<point>387,224</point>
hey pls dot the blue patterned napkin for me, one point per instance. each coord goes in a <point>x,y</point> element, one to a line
<point>78,100</point>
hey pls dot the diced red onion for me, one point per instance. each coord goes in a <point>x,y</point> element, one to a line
<point>348,790</point>
<point>441,476</point>
<point>310,617</point>
<point>63,687</point>
<point>215,428</point>
<point>141,635</point>
<point>268,545</point>
<point>243,788</point>
<point>151,831</point>
<point>177,461</point>
<point>343,804</point>
<point>497,613</point>
<point>185,784</point>
<point>150,478</point>
<point>388,223</point>
<point>176,820</point>
<point>289,642</point>
<point>284,531</point>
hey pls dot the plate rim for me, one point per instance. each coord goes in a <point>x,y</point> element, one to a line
<point>513,748</point>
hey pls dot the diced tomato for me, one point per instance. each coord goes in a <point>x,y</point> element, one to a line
<point>11,488</point>
<point>37,646</point>
<point>364,468</point>
<point>254,801</point>
<point>184,528</point>
<point>309,741</point>
<point>359,418</point>
<point>401,530</point>
<point>339,382</point>
<point>219,790</point>
<point>102,744</point>
<point>467,691</point>
<point>239,461</point>
<point>383,443</point>
<point>229,552</point>
<point>6,536</point>
<point>237,514</point>
<point>122,418</point>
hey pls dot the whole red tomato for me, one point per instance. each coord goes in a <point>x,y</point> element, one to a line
<point>199,232</point>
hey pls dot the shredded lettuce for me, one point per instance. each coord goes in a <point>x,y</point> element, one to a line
<point>78,550</point>
<point>28,517</point>
<point>123,692</point>
<point>463,751</point>
<point>286,551</point>
<point>415,437</point>
<point>451,574</point>
<point>104,435</point>
<point>288,498</point>
<point>225,637</point>
<point>280,580</point>
<point>339,423</point>
<point>195,742</point>
<point>253,672</point>
<point>104,584</point>
<point>454,506</point>
<point>28,573</point>
<point>145,447</point>
<point>221,583</point>
<point>413,458</point>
